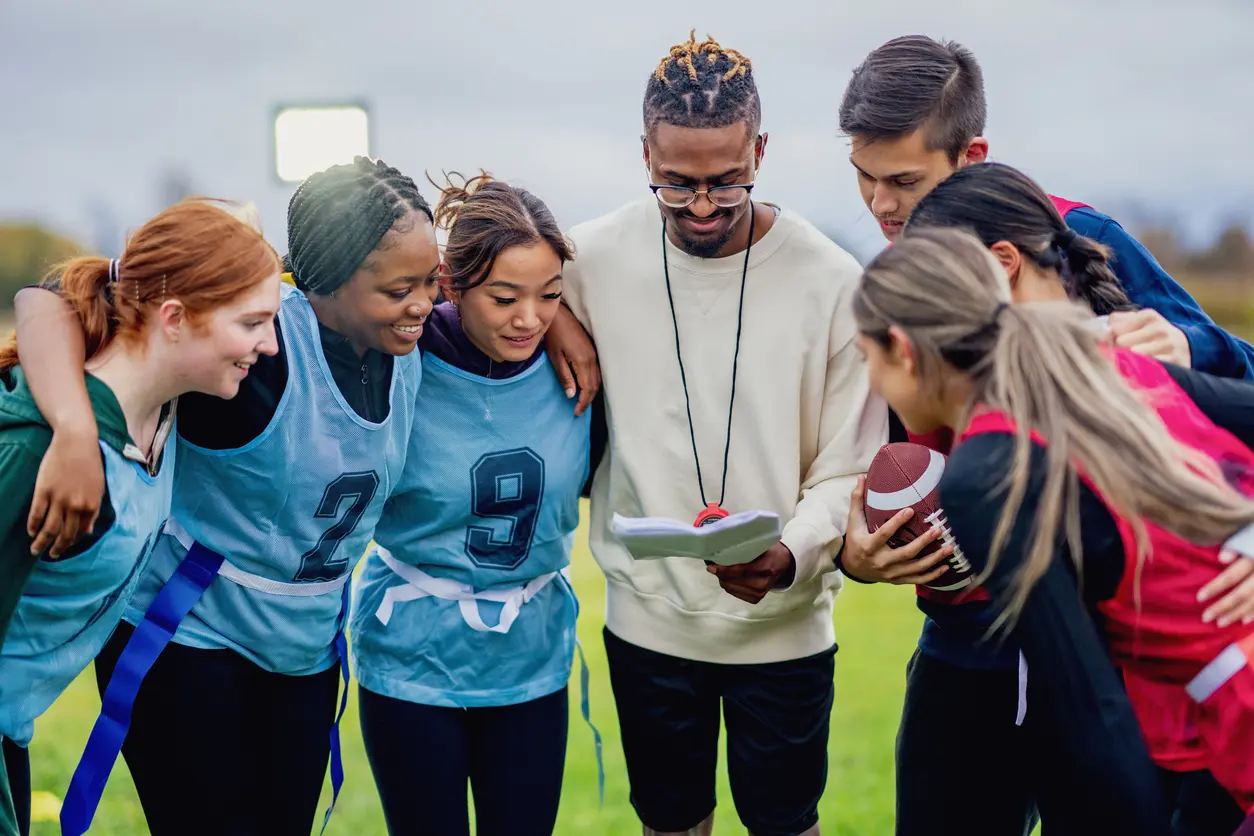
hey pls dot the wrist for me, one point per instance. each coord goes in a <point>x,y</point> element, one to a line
<point>77,424</point>
<point>843,569</point>
<point>789,574</point>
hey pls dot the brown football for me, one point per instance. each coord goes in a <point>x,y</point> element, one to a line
<point>904,475</point>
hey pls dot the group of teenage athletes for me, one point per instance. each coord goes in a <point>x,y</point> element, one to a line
<point>440,409</point>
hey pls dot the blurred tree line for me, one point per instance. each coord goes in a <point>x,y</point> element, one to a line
<point>27,253</point>
<point>1220,277</point>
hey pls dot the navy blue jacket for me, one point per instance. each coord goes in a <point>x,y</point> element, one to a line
<point>1148,285</point>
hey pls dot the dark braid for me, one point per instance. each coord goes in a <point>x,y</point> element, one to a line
<point>339,216</point>
<point>998,203</point>
<point>1085,267</point>
<point>702,85</point>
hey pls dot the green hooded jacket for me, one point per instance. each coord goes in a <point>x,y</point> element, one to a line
<point>24,438</point>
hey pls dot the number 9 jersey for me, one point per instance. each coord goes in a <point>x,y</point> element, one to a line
<point>291,512</point>
<point>464,602</point>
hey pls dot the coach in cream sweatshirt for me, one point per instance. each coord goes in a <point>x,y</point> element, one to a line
<point>803,426</point>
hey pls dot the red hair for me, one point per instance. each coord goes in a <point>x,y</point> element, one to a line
<point>202,252</point>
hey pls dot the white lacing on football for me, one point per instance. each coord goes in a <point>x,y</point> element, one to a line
<point>957,560</point>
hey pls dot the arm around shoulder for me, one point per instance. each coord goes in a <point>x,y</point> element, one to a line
<point>1227,402</point>
<point>51,351</point>
<point>1148,285</point>
<point>70,484</point>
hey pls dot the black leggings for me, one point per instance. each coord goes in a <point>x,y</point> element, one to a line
<point>958,734</point>
<point>219,746</point>
<point>17,768</point>
<point>423,755</point>
<point>958,729</point>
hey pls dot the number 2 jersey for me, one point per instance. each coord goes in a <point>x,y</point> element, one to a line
<point>296,505</point>
<point>463,603</point>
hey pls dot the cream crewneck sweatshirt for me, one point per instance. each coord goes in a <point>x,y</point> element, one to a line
<point>804,425</point>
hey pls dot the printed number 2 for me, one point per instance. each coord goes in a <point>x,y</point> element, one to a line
<point>506,486</point>
<point>317,563</point>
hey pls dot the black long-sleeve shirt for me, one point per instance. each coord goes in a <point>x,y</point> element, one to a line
<point>217,424</point>
<point>1077,706</point>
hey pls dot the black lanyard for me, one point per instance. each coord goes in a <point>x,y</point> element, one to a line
<point>714,510</point>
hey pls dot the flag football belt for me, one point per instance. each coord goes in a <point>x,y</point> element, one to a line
<point>418,584</point>
<point>173,602</point>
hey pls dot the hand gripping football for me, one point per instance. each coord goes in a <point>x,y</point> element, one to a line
<point>906,475</point>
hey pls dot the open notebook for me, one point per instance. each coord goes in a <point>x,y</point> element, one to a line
<point>735,539</point>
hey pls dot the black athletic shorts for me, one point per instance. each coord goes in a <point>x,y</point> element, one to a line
<point>777,715</point>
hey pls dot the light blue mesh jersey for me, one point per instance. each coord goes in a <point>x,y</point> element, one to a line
<point>70,607</point>
<point>291,510</point>
<point>465,603</point>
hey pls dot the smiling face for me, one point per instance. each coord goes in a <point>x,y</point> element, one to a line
<point>508,314</point>
<point>702,158</point>
<point>894,173</point>
<point>216,352</point>
<point>386,302</point>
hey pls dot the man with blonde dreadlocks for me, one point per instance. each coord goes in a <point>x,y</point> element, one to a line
<point>762,412</point>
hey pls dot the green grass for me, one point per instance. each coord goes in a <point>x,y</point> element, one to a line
<point>876,626</point>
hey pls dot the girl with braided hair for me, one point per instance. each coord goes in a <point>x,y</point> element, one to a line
<point>236,628</point>
<point>1088,487</point>
<point>463,619</point>
<point>186,308</point>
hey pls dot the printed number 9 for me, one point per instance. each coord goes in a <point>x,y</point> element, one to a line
<point>508,487</point>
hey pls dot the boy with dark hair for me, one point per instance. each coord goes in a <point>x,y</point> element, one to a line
<point>915,112</point>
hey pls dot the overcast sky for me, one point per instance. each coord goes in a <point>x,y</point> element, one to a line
<point>1136,104</point>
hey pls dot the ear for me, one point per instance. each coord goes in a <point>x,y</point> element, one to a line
<point>975,152</point>
<point>1011,260</point>
<point>644,144</point>
<point>901,352</point>
<point>171,317</point>
<point>451,294</point>
<point>759,150</point>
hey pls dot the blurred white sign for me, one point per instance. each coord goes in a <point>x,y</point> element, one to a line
<point>309,139</point>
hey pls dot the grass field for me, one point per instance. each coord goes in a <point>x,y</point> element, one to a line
<point>876,627</point>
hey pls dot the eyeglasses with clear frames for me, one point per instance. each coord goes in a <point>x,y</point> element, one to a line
<point>680,197</point>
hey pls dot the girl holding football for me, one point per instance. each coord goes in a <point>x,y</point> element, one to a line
<point>957,663</point>
<point>1066,470</point>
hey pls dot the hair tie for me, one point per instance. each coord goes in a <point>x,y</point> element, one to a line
<point>115,270</point>
<point>968,351</point>
<point>1064,238</point>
